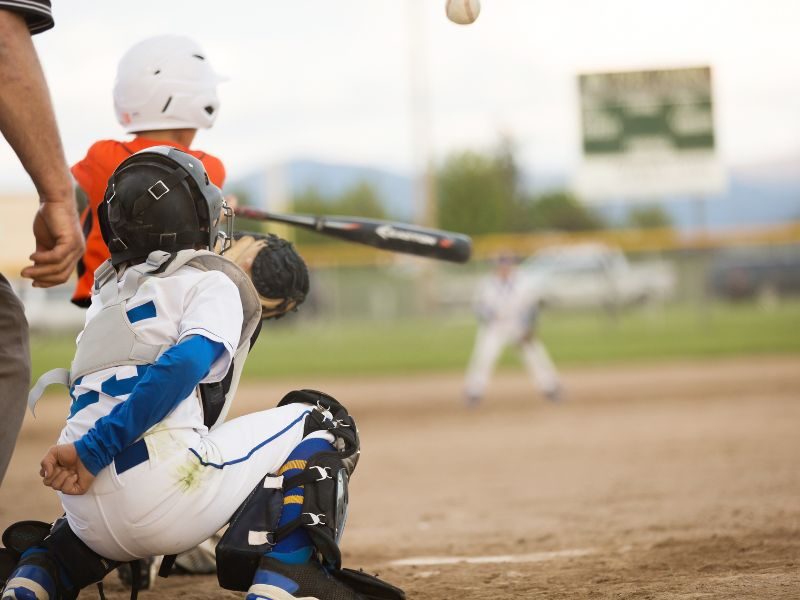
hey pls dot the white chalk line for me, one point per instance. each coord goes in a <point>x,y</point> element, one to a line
<point>482,560</point>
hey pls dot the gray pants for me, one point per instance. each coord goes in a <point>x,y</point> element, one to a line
<point>15,371</point>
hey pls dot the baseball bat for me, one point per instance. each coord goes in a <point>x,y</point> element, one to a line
<point>386,235</point>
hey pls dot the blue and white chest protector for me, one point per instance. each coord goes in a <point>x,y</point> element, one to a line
<point>119,340</point>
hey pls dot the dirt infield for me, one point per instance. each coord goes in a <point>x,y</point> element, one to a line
<point>675,481</point>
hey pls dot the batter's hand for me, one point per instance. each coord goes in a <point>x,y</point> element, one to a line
<point>63,470</point>
<point>59,243</point>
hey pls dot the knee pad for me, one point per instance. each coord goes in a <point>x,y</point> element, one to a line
<point>329,415</point>
<point>69,561</point>
<point>81,565</point>
<point>253,528</point>
<point>17,539</point>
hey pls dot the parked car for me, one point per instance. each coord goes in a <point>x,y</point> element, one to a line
<point>762,274</point>
<point>597,275</point>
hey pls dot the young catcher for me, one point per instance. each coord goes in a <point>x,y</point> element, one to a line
<point>280,277</point>
<point>144,465</point>
<point>164,92</point>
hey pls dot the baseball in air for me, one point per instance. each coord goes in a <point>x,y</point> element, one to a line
<point>463,12</point>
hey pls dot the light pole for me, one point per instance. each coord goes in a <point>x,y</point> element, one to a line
<point>421,127</point>
<point>420,116</point>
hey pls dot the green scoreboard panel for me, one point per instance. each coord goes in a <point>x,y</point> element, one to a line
<point>648,133</point>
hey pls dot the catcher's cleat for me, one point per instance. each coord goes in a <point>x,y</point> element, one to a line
<point>200,560</point>
<point>275,580</point>
<point>148,567</point>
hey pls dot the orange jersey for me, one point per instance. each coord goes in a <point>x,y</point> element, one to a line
<point>92,174</point>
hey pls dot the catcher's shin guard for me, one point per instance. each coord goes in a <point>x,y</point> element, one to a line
<point>34,578</point>
<point>254,529</point>
<point>52,563</point>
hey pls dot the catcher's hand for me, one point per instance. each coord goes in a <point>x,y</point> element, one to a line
<point>278,272</point>
<point>62,470</point>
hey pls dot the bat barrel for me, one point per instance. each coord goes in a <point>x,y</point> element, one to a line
<point>433,243</point>
<point>386,235</point>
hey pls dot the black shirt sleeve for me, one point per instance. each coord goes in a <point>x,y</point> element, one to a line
<point>37,13</point>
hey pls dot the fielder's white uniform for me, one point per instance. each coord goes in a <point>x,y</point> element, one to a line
<point>189,481</point>
<point>506,308</point>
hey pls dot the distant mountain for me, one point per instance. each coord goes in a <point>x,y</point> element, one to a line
<point>757,194</point>
<point>786,169</point>
<point>748,201</point>
<point>263,187</point>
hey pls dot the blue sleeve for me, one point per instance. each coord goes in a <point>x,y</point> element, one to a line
<point>171,379</point>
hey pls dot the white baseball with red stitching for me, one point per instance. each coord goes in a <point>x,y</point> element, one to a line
<point>463,12</point>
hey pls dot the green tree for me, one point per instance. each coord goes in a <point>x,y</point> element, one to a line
<point>480,193</point>
<point>648,217</point>
<point>310,201</point>
<point>359,200</point>
<point>562,211</point>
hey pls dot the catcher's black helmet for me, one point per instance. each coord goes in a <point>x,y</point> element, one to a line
<point>160,199</point>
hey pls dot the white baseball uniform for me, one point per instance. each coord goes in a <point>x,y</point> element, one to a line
<point>506,308</point>
<point>179,483</point>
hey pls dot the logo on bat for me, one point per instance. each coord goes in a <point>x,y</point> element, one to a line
<point>387,232</point>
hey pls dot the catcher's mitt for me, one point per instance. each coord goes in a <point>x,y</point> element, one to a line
<point>278,272</point>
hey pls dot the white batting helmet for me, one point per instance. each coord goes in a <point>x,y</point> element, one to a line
<point>166,82</point>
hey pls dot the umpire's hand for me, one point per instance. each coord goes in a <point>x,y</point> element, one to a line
<point>59,242</point>
<point>63,470</point>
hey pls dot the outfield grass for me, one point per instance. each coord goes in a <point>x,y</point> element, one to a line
<point>419,345</point>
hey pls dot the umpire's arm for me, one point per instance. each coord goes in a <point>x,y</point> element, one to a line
<point>28,123</point>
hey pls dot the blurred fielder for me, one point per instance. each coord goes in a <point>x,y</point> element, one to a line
<point>506,305</point>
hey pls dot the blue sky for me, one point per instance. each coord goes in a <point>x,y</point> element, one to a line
<point>330,80</point>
